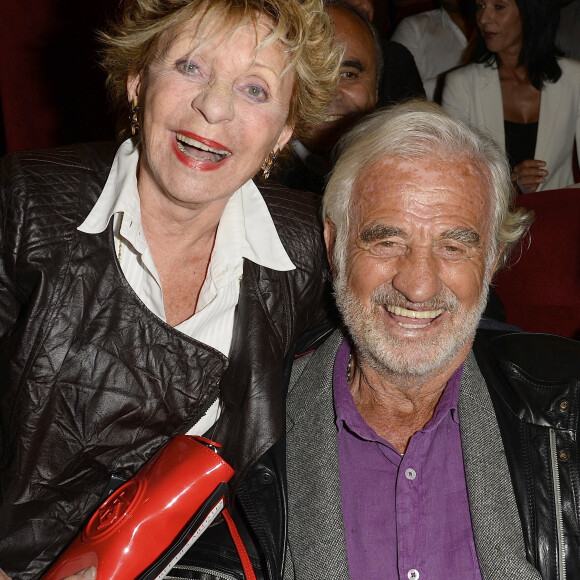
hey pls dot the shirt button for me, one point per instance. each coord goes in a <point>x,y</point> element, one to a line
<point>413,574</point>
<point>410,474</point>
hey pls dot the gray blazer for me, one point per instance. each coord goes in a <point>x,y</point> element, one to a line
<point>316,541</point>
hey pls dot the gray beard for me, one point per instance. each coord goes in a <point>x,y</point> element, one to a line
<point>393,355</point>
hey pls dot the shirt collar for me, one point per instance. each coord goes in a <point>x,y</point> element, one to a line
<point>448,401</point>
<point>119,193</point>
<point>246,227</point>
<point>348,415</point>
<point>260,242</point>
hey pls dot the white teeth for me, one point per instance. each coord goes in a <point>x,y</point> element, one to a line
<point>414,313</point>
<point>413,325</point>
<point>198,145</point>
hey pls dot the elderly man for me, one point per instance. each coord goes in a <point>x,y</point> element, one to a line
<point>419,447</point>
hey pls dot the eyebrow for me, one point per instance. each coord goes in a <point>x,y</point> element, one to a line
<point>262,65</point>
<point>380,232</point>
<point>465,236</point>
<point>353,64</point>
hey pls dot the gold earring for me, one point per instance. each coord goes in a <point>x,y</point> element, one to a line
<point>134,116</point>
<point>268,165</point>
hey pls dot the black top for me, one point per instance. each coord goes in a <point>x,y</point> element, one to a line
<point>520,141</point>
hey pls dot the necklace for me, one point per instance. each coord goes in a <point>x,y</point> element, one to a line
<point>349,367</point>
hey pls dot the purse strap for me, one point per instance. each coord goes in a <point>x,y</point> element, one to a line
<point>239,543</point>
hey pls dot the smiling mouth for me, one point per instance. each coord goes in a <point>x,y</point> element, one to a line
<point>413,318</point>
<point>199,151</point>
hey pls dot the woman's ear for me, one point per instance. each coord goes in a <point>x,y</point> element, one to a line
<point>284,137</point>
<point>133,86</point>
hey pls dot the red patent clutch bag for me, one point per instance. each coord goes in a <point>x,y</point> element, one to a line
<point>144,527</point>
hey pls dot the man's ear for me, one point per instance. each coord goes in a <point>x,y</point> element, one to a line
<point>330,240</point>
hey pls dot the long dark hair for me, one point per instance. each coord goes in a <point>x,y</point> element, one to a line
<point>539,53</point>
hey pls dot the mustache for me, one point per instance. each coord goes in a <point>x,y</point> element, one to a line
<point>386,294</point>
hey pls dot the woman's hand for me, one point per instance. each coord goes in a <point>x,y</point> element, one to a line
<point>86,574</point>
<point>529,174</point>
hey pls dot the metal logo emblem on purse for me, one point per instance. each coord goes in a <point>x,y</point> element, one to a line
<point>144,527</point>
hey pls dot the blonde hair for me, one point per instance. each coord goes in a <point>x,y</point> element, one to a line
<point>303,29</point>
<point>416,130</point>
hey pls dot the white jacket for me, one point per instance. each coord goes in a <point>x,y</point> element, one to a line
<point>473,94</point>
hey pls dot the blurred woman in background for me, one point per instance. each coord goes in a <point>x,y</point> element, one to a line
<point>519,91</point>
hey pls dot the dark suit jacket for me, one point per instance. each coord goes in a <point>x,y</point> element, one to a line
<point>400,80</point>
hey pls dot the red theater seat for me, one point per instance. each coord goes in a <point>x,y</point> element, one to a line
<point>541,291</point>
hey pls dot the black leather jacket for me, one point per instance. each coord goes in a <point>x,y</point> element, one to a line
<point>534,383</point>
<point>91,382</point>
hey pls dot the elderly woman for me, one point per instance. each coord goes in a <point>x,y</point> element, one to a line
<point>157,290</point>
<point>519,91</point>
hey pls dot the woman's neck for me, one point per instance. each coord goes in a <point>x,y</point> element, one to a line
<point>508,62</point>
<point>181,240</point>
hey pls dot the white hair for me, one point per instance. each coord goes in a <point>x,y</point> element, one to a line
<point>414,130</point>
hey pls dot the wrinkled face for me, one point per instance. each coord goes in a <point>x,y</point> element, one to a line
<point>213,107</point>
<point>414,282</point>
<point>500,25</point>
<point>357,89</point>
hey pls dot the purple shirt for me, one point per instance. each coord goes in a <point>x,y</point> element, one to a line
<point>405,517</point>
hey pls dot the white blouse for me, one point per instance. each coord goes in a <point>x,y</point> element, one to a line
<point>246,230</point>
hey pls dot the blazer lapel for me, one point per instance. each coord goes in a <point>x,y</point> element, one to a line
<point>315,526</point>
<point>491,104</point>
<point>549,111</point>
<point>496,525</point>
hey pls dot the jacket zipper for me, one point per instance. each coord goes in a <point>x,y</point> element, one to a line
<point>286,307</point>
<point>558,505</point>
